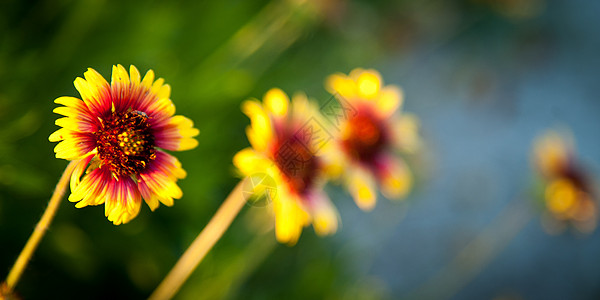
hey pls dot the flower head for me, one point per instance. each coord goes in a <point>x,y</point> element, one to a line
<point>370,134</point>
<point>116,133</point>
<point>568,195</point>
<point>285,147</point>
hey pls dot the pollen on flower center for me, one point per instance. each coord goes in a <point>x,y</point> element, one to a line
<point>365,137</point>
<point>295,160</point>
<point>125,142</point>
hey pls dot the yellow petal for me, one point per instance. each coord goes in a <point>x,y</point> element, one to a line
<point>368,83</point>
<point>164,91</point>
<point>389,100</point>
<point>157,86</point>
<point>560,195</point>
<point>361,185</point>
<point>70,148</point>
<point>94,79</point>
<point>124,204</point>
<point>258,142</point>
<point>276,102</point>
<point>396,181</point>
<point>152,202</point>
<point>68,101</point>
<point>162,107</point>
<point>135,75</point>
<point>93,89</point>
<point>303,109</point>
<point>187,144</point>
<point>86,92</point>
<point>65,111</point>
<point>160,184</point>
<point>186,130</point>
<point>59,135</point>
<point>290,218</point>
<point>185,126</point>
<point>333,160</point>
<point>148,79</point>
<point>552,152</point>
<point>68,123</point>
<point>250,162</point>
<point>119,76</point>
<point>406,133</point>
<point>325,216</point>
<point>78,171</point>
<point>260,121</point>
<point>340,84</point>
<point>91,190</point>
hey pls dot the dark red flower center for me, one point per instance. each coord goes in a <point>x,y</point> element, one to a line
<point>125,142</point>
<point>577,176</point>
<point>366,137</point>
<point>298,164</point>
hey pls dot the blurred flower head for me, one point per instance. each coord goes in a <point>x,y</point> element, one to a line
<point>115,134</point>
<point>287,141</point>
<point>369,135</point>
<point>568,195</point>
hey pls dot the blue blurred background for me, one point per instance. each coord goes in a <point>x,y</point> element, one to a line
<point>485,77</point>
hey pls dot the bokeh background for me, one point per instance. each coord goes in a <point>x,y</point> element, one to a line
<point>484,77</point>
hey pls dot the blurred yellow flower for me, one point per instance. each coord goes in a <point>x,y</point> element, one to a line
<point>567,191</point>
<point>287,141</point>
<point>115,134</point>
<point>370,133</point>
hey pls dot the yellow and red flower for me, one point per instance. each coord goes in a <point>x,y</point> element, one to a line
<point>286,140</point>
<point>370,134</point>
<point>568,194</point>
<point>116,133</point>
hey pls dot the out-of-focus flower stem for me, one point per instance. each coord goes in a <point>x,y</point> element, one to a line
<point>39,231</point>
<point>207,238</point>
<point>477,254</point>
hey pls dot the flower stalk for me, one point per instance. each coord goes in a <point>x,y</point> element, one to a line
<point>40,229</point>
<point>207,238</point>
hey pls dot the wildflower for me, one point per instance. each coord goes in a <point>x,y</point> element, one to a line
<point>286,141</point>
<point>370,134</point>
<point>115,133</point>
<point>568,195</point>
